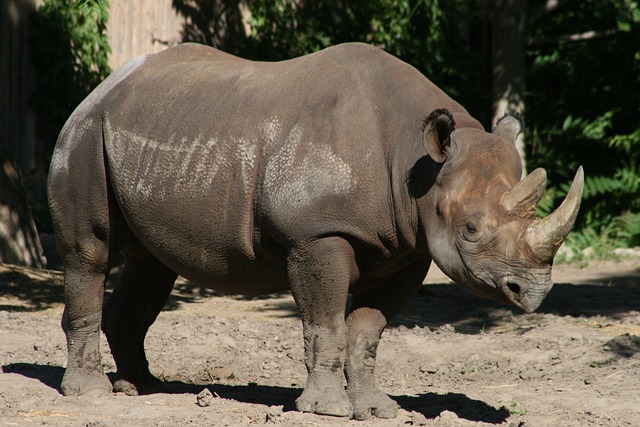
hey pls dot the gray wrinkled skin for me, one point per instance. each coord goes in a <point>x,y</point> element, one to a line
<point>341,172</point>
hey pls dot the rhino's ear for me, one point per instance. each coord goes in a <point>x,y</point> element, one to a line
<point>509,126</point>
<point>436,134</point>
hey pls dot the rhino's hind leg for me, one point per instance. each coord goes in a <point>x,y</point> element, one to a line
<point>81,323</point>
<point>369,315</point>
<point>87,258</point>
<point>320,274</point>
<point>89,228</point>
<point>139,296</point>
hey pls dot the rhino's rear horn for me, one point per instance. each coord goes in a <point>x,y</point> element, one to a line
<point>523,198</point>
<point>546,235</point>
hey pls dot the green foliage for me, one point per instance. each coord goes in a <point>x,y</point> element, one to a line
<point>513,408</point>
<point>71,55</point>
<point>583,108</point>
<point>622,231</point>
<point>435,36</point>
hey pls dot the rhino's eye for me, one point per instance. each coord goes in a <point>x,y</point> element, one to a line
<point>471,228</point>
<point>470,232</point>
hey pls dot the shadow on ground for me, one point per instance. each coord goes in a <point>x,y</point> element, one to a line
<point>51,376</point>
<point>429,404</point>
<point>29,289</point>
<point>432,404</point>
<point>437,305</point>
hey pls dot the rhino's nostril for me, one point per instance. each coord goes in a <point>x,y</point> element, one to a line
<point>514,287</point>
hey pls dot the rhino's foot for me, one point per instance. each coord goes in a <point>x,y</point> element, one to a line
<point>325,396</point>
<point>75,383</point>
<point>144,384</point>
<point>374,403</point>
<point>324,405</point>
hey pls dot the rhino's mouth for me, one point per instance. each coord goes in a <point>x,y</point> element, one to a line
<point>524,293</point>
<point>523,286</point>
<point>486,287</point>
<point>526,290</point>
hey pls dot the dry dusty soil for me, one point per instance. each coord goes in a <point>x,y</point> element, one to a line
<point>450,359</point>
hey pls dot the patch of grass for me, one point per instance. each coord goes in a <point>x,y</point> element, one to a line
<point>479,368</point>
<point>514,410</point>
<point>592,243</point>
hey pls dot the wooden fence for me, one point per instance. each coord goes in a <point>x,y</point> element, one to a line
<point>139,27</point>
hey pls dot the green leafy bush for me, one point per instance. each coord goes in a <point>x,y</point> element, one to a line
<point>71,52</point>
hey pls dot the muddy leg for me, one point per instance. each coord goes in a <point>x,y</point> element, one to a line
<point>89,232</point>
<point>139,296</point>
<point>320,274</point>
<point>84,292</point>
<point>369,315</point>
<point>89,229</point>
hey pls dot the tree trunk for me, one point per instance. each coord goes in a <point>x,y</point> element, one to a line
<point>508,38</point>
<point>19,241</point>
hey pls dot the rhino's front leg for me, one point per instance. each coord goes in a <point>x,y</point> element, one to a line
<point>369,315</point>
<point>365,326</point>
<point>320,273</point>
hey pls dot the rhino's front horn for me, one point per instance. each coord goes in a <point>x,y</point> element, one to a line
<point>546,235</point>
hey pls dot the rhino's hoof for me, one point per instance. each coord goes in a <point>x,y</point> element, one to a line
<point>336,409</point>
<point>126,387</point>
<point>304,406</point>
<point>75,384</point>
<point>148,386</point>
<point>362,414</point>
<point>377,404</point>
<point>390,411</point>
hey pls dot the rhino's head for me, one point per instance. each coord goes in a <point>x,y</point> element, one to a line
<point>480,218</point>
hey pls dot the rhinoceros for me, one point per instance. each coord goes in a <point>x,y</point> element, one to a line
<point>343,172</point>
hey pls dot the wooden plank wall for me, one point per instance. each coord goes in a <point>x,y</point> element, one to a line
<point>138,27</point>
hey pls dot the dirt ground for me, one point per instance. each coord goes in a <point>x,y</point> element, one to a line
<point>450,359</point>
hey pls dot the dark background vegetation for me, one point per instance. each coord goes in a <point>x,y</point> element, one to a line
<point>581,74</point>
